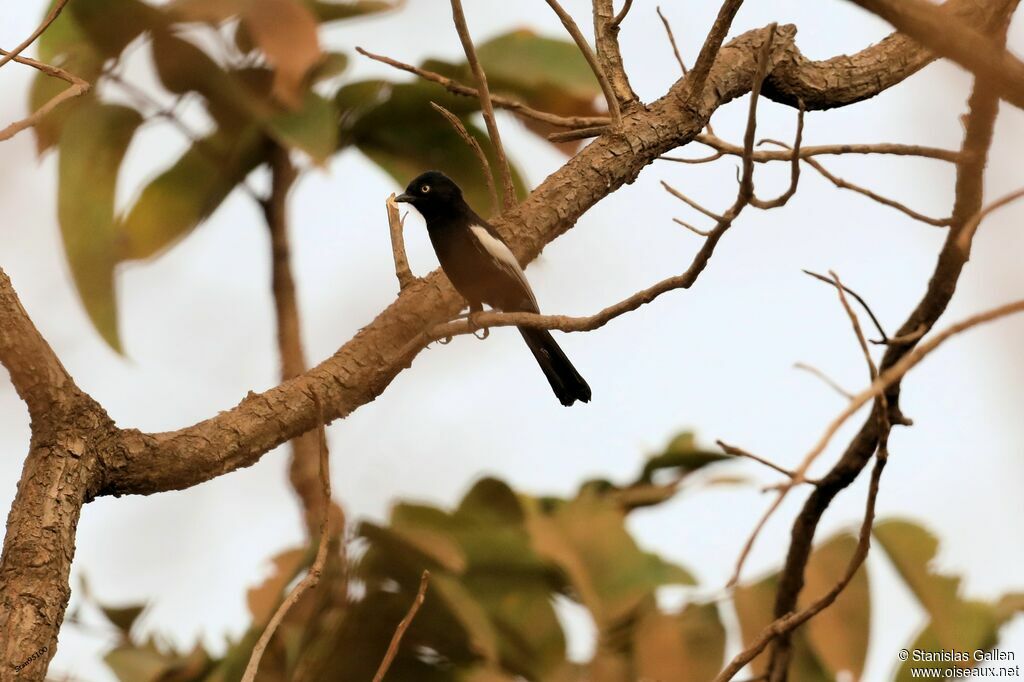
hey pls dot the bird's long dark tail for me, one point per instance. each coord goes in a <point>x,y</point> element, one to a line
<point>566,382</point>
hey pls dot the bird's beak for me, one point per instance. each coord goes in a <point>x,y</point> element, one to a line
<point>404,198</point>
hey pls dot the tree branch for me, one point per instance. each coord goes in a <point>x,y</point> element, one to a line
<point>509,197</point>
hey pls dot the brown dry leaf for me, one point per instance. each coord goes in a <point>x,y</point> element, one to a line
<point>286,32</point>
<point>264,598</point>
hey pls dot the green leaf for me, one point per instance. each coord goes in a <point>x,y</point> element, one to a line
<point>313,128</point>
<point>47,129</point>
<point>840,633</point>
<point>123,617</point>
<point>110,25</point>
<point>547,72</point>
<point>681,453</point>
<point>956,623</point>
<point>331,65</point>
<point>686,646</point>
<point>588,540</point>
<point>185,194</point>
<point>139,664</point>
<point>550,75</point>
<point>395,127</point>
<point>335,11</point>
<point>92,145</point>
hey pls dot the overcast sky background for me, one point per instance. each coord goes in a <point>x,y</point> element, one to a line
<point>198,329</point>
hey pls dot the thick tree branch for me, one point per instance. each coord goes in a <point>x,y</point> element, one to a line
<point>609,56</point>
<point>37,374</point>
<point>87,456</point>
<point>968,46</point>
<point>364,366</point>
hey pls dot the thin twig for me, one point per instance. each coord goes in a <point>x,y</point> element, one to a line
<point>859,299</point>
<point>831,383</point>
<point>312,577</point>
<point>845,184</point>
<point>794,173</point>
<point>588,54</point>
<point>740,452</point>
<point>396,639</point>
<point>691,228</point>
<point>396,225</point>
<point>78,87</point>
<point>690,202</point>
<point>485,166</point>
<point>50,17</point>
<point>672,40</point>
<point>622,13</point>
<point>790,621</point>
<point>499,101</point>
<point>764,156</point>
<point>459,17</point>
<point>579,133</point>
<point>967,234</point>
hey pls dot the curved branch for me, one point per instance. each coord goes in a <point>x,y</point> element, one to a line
<point>364,366</point>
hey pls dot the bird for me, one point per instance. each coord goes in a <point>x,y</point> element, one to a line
<point>483,269</point>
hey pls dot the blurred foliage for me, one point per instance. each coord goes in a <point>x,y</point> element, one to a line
<point>501,563</point>
<point>256,71</point>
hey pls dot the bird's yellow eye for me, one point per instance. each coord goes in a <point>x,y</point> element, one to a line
<point>425,188</point>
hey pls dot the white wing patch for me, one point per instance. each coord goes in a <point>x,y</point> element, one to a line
<point>503,256</point>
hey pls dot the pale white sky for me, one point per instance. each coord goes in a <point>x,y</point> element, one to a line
<point>198,331</point>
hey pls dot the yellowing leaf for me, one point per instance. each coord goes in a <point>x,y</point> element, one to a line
<point>185,194</point>
<point>839,634</point>
<point>264,598</point>
<point>588,540</point>
<point>686,646</point>
<point>92,144</point>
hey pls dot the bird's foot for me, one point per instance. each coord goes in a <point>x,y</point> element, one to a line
<point>474,327</point>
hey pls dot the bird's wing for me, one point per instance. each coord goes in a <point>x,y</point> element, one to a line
<point>503,258</point>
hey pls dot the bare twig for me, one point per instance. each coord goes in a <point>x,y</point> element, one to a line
<point>794,173</point>
<point>967,234</point>
<point>484,92</point>
<point>790,621</point>
<point>50,17</point>
<point>396,639</point>
<point>499,101</point>
<point>396,223</point>
<point>579,133</point>
<point>588,54</point>
<point>78,87</point>
<point>691,228</point>
<point>622,13</point>
<point>485,166</point>
<point>829,381</point>
<point>691,203</point>
<point>740,452</point>
<point>970,47</point>
<point>672,40</point>
<point>844,184</point>
<point>312,577</point>
<point>859,299</point>
<point>763,156</point>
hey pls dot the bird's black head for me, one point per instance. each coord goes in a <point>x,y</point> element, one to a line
<point>432,194</point>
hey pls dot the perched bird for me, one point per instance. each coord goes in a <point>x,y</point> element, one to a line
<point>484,270</point>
